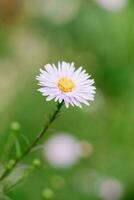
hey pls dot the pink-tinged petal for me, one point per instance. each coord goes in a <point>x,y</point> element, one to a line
<point>66,100</point>
<point>59,70</point>
<point>49,69</point>
<point>82,100</point>
<point>66,104</point>
<point>77,103</point>
<point>49,98</point>
<point>64,68</point>
<point>77,72</point>
<point>71,102</point>
<point>70,71</point>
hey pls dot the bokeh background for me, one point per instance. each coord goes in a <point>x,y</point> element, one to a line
<point>95,156</point>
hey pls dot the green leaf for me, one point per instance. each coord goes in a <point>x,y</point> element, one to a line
<point>18,148</point>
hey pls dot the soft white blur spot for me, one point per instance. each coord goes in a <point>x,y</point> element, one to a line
<point>60,11</point>
<point>29,48</point>
<point>112,5</point>
<point>57,11</point>
<point>94,184</point>
<point>111,189</point>
<point>62,150</point>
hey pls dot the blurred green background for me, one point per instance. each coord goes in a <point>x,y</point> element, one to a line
<point>98,37</point>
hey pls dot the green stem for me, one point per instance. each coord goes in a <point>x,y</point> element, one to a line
<point>34,143</point>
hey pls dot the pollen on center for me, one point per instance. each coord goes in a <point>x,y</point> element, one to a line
<point>66,85</point>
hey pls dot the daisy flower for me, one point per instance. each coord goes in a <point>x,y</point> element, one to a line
<point>66,83</point>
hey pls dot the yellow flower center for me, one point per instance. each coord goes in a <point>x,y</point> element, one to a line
<point>66,85</point>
